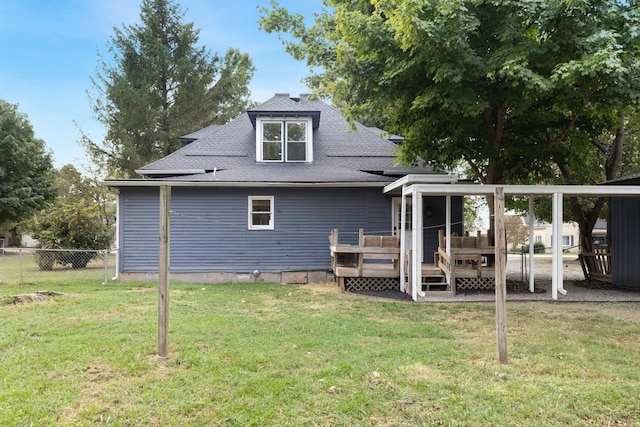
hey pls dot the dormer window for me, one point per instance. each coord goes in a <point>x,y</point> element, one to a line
<point>284,140</point>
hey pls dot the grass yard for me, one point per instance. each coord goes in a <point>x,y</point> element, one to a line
<point>283,355</point>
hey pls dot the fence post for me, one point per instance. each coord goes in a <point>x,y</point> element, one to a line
<point>106,266</point>
<point>20,258</point>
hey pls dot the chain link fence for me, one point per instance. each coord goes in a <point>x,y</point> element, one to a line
<point>518,267</point>
<point>30,265</point>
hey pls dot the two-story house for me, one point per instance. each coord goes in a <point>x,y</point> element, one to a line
<point>256,198</point>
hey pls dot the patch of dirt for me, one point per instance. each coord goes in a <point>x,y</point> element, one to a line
<point>594,284</point>
<point>518,287</point>
<point>37,297</point>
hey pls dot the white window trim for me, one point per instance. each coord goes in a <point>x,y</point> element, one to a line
<point>309,137</point>
<point>569,240</point>
<point>269,226</point>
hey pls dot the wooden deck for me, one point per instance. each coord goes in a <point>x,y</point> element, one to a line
<point>374,256</point>
<point>469,264</point>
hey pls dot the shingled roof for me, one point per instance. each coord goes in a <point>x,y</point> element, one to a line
<point>342,152</point>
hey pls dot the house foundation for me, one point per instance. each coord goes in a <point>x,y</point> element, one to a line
<point>285,277</point>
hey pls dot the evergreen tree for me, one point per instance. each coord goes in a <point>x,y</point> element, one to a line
<point>160,85</point>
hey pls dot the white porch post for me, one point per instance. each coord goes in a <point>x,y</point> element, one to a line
<point>560,264</point>
<point>416,244</point>
<point>403,241</point>
<point>532,285</point>
<point>556,264</point>
<point>117,242</point>
<point>448,230</point>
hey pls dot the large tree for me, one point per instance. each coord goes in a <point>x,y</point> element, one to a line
<point>26,182</point>
<point>605,151</point>
<point>159,84</point>
<point>497,84</point>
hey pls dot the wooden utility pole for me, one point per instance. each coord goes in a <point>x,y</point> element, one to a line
<point>163,272</point>
<point>501,276</point>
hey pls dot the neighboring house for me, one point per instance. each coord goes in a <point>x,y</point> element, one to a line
<point>13,238</point>
<point>257,198</point>
<point>625,237</point>
<point>543,232</point>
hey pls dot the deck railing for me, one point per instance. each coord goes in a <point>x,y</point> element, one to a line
<point>598,264</point>
<point>374,256</point>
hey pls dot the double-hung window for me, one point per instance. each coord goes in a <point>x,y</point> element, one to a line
<point>260,212</point>
<point>285,140</point>
<point>567,240</point>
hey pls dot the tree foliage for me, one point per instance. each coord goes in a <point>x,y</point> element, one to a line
<point>81,217</point>
<point>473,206</point>
<point>516,231</point>
<point>159,85</point>
<point>603,147</point>
<point>70,226</point>
<point>25,167</point>
<point>498,84</point>
<point>84,189</point>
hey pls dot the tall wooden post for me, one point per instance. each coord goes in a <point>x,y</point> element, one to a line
<point>163,272</point>
<point>501,276</point>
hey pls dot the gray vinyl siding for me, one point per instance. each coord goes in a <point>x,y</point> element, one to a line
<point>625,238</point>
<point>209,227</point>
<point>437,222</point>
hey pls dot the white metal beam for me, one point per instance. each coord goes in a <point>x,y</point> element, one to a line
<point>448,233</point>
<point>416,245</point>
<point>532,286</point>
<point>549,190</point>
<point>403,241</point>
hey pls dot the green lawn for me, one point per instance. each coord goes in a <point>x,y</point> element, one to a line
<point>274,355</point>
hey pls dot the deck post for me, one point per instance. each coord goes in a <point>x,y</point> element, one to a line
<point>501,277</point>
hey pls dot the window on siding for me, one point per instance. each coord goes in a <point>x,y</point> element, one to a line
<point>538,238</point>
<point>260,212</point>
<point>284,140</point>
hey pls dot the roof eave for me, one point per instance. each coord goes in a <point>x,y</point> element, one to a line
<point>146,172</point>
<point>159,183</point>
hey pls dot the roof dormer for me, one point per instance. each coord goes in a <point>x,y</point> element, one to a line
<point>284,129</point>
<point>284,139</point>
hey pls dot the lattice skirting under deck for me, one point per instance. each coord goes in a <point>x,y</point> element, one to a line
<point>475,283</point>
<point>371,283</point>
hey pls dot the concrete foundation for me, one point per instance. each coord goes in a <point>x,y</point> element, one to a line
<point>289,277</point>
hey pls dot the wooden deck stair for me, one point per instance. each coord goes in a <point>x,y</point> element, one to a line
<point>434,280</point>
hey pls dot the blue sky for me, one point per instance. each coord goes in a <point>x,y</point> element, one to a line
<point>49,52</point>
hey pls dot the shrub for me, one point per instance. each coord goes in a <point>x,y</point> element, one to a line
<point>538,248</point>
<point>70,226</point>
<point>46,258</point>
